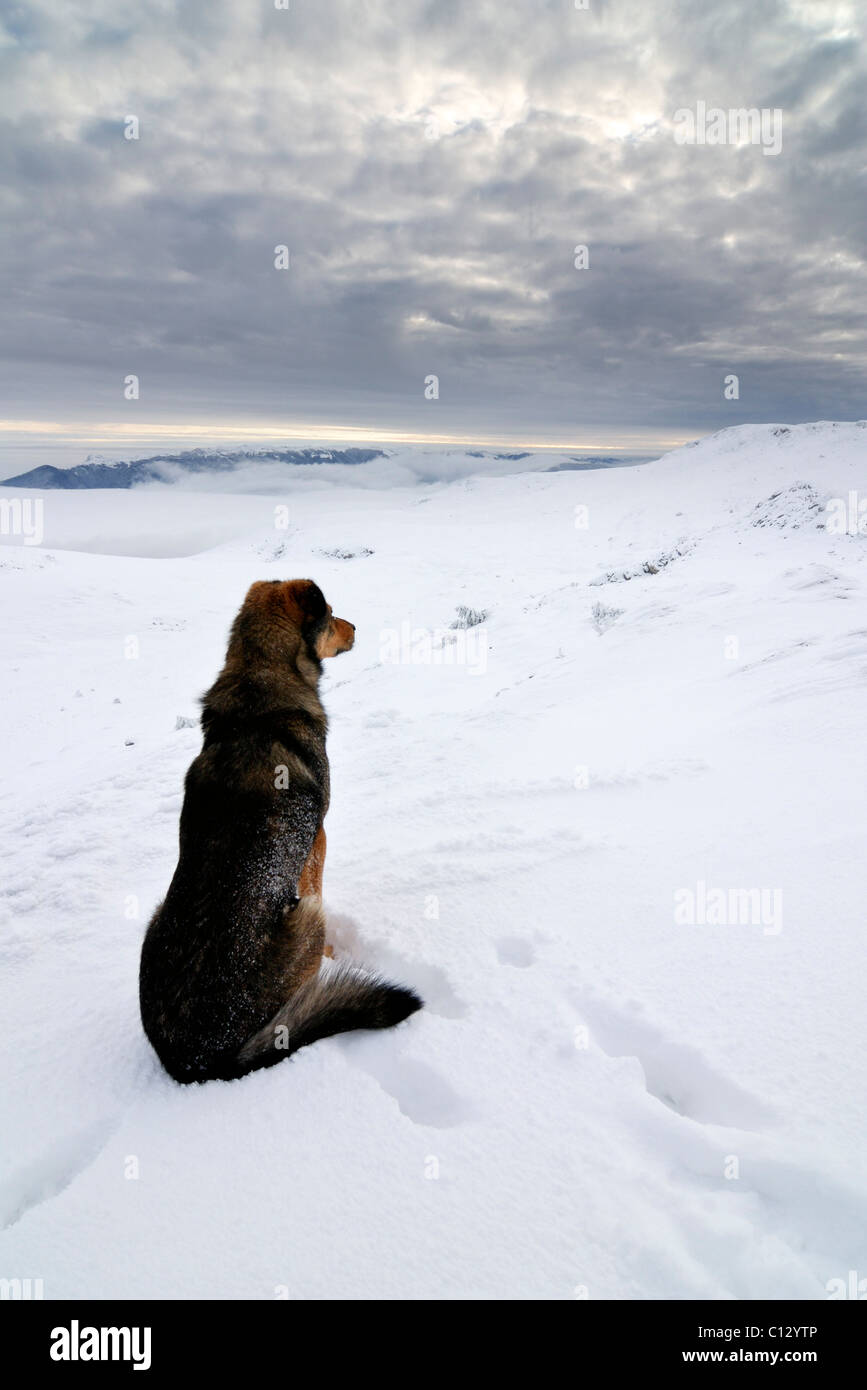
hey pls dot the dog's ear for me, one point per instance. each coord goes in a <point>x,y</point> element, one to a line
<point>309,602</point>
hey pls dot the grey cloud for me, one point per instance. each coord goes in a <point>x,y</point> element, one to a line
<point>431,168</point>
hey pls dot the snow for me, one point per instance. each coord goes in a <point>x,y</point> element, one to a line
<point>598,1100</point>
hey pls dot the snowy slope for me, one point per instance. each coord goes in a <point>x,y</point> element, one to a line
<point>599,1099</point>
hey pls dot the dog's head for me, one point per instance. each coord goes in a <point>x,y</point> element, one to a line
<point>324,634</point>
<point>300,605</point>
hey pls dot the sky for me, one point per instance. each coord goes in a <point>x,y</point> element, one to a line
<point>431,167</point>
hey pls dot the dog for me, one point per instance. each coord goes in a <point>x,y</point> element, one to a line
<point>230,975</point>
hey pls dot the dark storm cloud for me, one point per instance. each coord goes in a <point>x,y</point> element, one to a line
<point>431,167</point>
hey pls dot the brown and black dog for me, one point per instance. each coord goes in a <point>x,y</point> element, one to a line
<point>230,965</point>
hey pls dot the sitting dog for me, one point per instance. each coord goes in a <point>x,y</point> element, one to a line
<point>230,966</point>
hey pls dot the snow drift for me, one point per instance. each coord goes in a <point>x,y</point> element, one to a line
<point>616,844</point>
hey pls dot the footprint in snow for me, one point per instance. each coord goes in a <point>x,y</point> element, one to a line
<point>54,1171</point>
<point>674,1072</point>
<point>421,1093</point>
<point>514,950</point>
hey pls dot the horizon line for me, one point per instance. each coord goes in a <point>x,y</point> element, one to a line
<point>116,433</point>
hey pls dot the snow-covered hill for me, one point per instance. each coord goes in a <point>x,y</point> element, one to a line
<point>615,837</point>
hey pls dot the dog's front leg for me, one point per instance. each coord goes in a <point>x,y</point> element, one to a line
<point>310,882</point>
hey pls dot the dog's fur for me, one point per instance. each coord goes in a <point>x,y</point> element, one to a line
<point>230,966</point>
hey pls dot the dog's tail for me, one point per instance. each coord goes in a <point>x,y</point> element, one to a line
<point>336,1002</point>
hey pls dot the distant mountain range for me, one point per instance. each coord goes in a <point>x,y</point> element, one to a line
<point>97,472</point>
<point>100,472</point>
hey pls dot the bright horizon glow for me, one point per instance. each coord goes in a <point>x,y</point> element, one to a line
<point>116,433</point>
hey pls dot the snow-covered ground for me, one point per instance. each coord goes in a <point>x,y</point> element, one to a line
<point>610,1093</point>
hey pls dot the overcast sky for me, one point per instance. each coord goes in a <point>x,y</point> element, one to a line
<point>431,168</point>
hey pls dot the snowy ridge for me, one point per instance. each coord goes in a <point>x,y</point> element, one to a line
<point>601,1098</point>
